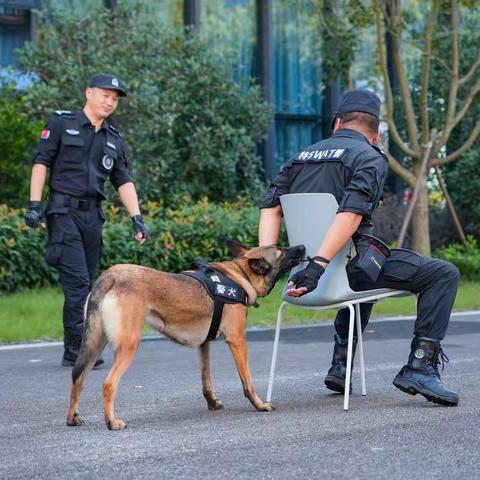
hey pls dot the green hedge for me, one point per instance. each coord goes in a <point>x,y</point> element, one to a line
<point>178,236</point>
<point>467,260</point>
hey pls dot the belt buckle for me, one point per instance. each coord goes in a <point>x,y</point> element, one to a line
<point>83,204</point>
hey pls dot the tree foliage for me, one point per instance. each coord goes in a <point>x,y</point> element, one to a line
<point>19,134</point>
<point>432,111</point>
<point>189,128</point>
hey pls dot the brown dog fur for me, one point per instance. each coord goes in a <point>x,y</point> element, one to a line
<point>126,296</point>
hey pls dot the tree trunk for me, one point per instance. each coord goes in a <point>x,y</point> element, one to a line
<point>421,223</point>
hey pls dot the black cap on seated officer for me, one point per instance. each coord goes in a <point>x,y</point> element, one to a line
<point>82,151</point>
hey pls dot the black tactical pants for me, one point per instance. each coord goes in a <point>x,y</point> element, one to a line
<point>73,248</point>
<point>434,281</point>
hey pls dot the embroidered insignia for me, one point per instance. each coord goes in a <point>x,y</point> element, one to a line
<point>232,292</point>
<point>107,162</point>
<point>111,145</point>
<point>221,289</point>
<point>326,154</point>
<point>73,132</point>
<point>45,135</point>
<point>114,82</point>
<point>215,278</point>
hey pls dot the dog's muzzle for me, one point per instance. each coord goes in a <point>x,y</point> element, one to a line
<point>293,256</point>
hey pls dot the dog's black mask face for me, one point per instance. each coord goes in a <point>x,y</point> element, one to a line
<point>269,262</point>
<point>291,257</point>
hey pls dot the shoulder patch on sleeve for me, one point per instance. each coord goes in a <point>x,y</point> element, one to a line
<point>63,112</point>
<point>324,154</point>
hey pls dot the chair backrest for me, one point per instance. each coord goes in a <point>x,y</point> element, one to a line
<point>308,217</point>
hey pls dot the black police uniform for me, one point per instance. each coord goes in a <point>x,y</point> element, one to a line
<point>350,168</point>
<point>80,161</point>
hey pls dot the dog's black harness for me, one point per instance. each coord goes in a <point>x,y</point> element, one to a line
<point>220,288</point>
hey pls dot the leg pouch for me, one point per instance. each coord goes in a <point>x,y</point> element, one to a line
<point>402,265</point>
<point>53,256</point>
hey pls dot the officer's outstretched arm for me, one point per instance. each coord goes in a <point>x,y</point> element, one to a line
<point>269,226</point>
<point>129,198</point>
<point>37,182</point>
<point>340,231</point>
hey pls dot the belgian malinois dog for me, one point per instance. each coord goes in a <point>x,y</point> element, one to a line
<point>125,296</point>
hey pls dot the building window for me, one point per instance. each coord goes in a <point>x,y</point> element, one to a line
<point>298,87</point>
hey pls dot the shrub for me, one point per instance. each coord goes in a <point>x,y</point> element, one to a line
<point>178,236</point>
<point>467,260</point>
<point>18,138</point>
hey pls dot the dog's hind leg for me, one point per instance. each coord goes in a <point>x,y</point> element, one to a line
<point>93,343</point>
<point>237,341</point>
<point>126,344</point>
<point>207,385</point>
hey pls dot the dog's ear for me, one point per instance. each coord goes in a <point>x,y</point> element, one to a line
<point>236,249</point>
<point>259,266</point>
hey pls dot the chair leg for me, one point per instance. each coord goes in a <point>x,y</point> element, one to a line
<point>275,350</point>
<point>348,375</point>
<point>360,348</point>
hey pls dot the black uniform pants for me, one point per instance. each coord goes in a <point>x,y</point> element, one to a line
<point>73,248</point>
<point>434,281</point>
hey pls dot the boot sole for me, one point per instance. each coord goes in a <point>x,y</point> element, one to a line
<point>412,389</point>
<point>335,384</point>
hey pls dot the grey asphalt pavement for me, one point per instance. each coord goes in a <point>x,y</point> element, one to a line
<point>172,435</point>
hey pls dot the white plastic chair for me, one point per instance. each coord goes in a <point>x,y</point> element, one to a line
<point>308,216</point>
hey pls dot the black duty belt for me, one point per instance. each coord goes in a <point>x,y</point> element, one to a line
<point>75,202</point>
<point>222,290</point>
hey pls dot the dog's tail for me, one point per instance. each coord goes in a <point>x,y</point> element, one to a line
<point>94,337</point>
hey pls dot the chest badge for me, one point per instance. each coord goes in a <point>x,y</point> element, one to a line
<point>107,162</point>
<point>111,145</point>
<point>73,132</point>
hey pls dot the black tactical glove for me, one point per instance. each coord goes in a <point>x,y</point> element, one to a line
<point>309,276</point>
<point>35,214</point>
<point>140,226</point>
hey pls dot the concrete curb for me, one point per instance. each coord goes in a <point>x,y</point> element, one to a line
<point>470,316</point>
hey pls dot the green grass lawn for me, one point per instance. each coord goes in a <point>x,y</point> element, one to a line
<point>36,314</point>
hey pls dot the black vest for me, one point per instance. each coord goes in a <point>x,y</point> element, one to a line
<point>220,288</point>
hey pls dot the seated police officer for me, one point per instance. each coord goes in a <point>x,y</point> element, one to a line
<point>349,166</point>
<point>82,150</point>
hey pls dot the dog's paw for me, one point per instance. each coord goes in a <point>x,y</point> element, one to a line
<point>266,407</point>
<point>116,425</point>
<point>75,421</point>
<point>215,405</point>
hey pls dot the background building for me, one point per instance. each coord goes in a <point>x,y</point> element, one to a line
<point>274,41</point>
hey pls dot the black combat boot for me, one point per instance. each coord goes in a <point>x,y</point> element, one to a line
<point>70,355</point>
<point>335,379</point>
<point>421,375</point>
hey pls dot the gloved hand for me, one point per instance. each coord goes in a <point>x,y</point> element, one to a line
<point>35,214</point>
<point>306,278</point>
<point>140,226</point>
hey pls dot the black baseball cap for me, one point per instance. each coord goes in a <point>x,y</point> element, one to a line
<point>104,80</point>
<point>358,100</point>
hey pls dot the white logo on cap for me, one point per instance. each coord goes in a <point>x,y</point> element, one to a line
<point>114,82</point>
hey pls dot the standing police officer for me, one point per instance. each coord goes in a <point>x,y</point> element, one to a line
<point>349,166</point>
<point>82,150</point>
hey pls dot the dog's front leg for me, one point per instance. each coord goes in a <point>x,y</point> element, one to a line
<point>237,341</point>
<point>207,385</point>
